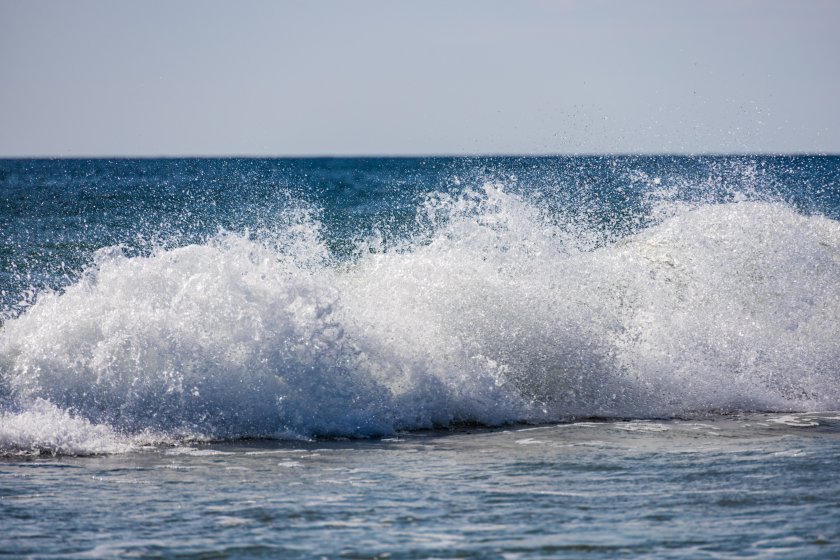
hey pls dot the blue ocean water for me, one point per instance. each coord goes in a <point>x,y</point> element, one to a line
<point>420,357</point>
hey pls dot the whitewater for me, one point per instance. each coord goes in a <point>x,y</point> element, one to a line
<point>496,308</point>
<point>510,358</point>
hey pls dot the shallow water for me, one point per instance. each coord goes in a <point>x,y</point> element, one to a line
<point>755,485</point>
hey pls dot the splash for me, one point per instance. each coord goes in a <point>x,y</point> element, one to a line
<point>495,312</point>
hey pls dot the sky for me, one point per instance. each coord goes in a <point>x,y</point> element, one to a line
<point>289,78</point>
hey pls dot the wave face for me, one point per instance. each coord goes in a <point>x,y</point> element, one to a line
<point>493,310</point>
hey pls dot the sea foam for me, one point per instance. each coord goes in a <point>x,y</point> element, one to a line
<point>494,312</point>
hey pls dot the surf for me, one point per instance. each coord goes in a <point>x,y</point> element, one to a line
<point>495,309</point>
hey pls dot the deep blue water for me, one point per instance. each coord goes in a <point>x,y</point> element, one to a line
<point>440,357</point>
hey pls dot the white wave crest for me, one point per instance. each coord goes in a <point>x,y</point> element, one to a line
<point>498,315</point>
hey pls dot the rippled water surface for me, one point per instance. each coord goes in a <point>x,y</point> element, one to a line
<point>759,486</point>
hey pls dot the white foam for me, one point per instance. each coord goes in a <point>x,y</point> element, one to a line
<point>495,314</point>
<point>640,427</point>
<point>44,428</point>
<point>792,420</point>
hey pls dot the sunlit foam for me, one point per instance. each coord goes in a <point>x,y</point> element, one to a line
<point>493,313</point>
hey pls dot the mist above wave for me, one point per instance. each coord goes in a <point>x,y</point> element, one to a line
<point>496,311</point>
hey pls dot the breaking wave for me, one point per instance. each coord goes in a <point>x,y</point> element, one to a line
<point>494,313</point>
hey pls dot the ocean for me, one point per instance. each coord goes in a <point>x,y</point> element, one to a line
<point>467,357</point>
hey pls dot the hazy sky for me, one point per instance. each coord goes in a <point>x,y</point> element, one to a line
<point>425,77</point>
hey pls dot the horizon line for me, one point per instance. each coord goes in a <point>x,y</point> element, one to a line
<point>423,156</point>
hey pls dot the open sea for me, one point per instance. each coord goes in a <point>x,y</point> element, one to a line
<point>486,357</point>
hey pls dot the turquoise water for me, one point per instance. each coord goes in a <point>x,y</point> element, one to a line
<point>444,357</point>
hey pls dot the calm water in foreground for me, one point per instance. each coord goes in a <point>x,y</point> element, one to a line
<point>752,486</point>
